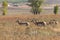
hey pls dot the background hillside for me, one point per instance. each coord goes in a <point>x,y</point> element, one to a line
<point>46,1</point>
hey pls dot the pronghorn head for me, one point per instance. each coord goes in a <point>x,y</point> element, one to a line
<point>18,20</point>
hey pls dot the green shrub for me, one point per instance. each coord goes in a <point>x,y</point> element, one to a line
<point>55,9</point>
<point>4,11</point>
<point>5,6</point>
<point>36,6</point>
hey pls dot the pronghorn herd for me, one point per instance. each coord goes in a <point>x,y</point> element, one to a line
<point>38,23</point>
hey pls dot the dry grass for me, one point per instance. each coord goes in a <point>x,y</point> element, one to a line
<point>10,30</point>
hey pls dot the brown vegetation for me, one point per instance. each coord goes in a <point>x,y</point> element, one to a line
<point>11,30</point>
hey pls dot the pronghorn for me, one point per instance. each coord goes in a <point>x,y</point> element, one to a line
<point>40,23</point>
<point>53,22</point>
<point>22,23</point>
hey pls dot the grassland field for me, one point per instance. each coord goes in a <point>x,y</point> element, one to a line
<point>11,30</point>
